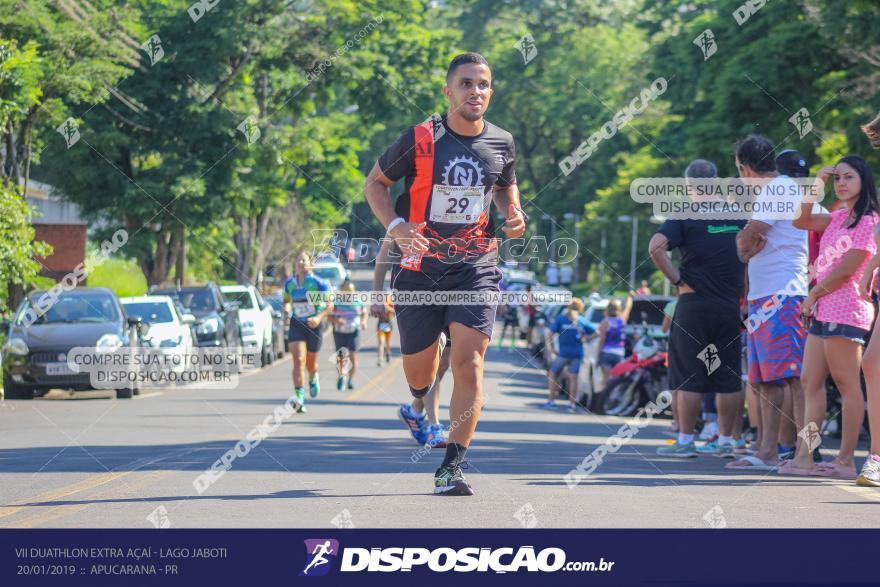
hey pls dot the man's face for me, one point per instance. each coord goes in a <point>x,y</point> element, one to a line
<point>469,90</point>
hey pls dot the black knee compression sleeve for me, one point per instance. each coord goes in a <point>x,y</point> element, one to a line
<point>419,393</point>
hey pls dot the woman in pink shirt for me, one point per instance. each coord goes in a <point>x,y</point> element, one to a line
<point>841,317</point>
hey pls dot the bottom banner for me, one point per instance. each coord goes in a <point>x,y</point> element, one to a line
<point>467,556</point>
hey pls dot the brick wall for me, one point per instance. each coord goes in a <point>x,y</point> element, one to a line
<point>69,244</point>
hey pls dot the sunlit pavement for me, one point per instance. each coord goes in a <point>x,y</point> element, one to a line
<point>93,461</point>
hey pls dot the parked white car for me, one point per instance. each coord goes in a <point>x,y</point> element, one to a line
<point>169,327</point>
<point>255,315</point>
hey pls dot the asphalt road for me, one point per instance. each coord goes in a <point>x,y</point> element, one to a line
<point>92,461</point>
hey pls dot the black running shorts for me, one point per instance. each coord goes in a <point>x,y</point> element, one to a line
<point>420,325</point>
<point>348,340</point>
<point>313,337</point>
<point>705,347</point>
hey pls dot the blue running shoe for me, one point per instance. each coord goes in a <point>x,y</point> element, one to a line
<point>314,386</point>
<point>436,436</point>
<point>415,423</point>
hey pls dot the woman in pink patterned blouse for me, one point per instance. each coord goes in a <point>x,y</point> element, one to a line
<point>842,318</point>
<point>870,475</point>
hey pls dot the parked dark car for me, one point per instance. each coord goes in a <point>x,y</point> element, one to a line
<point>35,354</point>
<point>217,323</point>
<point>280,323</point>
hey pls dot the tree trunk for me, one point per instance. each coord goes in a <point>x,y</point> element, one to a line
<point>14,295</point>
<point>157,266</point>
<point>242,245</point>
<point>261,247</point>
<point>180,267</point>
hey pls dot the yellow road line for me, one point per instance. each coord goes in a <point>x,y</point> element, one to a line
<point>91,482</point>
<point>865,492</point>
<point>85,484</point>
<point>390,369</point>
<point>62,511</point>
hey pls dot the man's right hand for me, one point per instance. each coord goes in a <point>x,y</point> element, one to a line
<point>409,237</point>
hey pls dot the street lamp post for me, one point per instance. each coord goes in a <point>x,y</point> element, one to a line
<point>633,248</point>
<point>548,218</point>
<point>573,217</point>
<point>656,219</point>
<point>602,242</point>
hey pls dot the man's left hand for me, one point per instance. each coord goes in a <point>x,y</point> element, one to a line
<point>515,224</point>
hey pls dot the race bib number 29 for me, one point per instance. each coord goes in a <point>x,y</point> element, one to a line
<point>454,204</point>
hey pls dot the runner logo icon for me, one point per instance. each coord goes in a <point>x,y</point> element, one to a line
<point>321,553</point>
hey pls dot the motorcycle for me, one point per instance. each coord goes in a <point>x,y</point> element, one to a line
<point>635,381</point>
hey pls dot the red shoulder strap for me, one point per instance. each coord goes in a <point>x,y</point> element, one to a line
<point>420,191</point>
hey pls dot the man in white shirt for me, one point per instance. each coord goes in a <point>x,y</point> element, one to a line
<point>777,257</point>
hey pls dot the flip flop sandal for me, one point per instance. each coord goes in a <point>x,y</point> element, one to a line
<point>754,464</point>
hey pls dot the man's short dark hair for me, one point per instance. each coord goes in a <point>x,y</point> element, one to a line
<point>792,163</point>
<point>464,59</point>
<point>700,168</point>
<point>756,151</point>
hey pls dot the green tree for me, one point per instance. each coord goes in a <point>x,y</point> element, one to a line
<point>55,62</point>
<point>18,251</point>
<point>254,105</point>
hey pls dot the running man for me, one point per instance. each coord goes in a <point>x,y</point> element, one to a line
<point>509,321</point>
<point>454,167</point>
<point>319,552</point>
<point>306,332</point>
<point>422,417</point>
<point>349,319</point>
<point>384,328</point>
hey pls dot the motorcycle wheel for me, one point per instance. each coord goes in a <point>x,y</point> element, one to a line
<point>621,397</point>
<point>588,397</point>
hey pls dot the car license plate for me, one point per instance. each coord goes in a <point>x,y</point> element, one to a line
<point>59,369</point>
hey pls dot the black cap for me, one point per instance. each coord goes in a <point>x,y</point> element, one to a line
<point>792,163</point>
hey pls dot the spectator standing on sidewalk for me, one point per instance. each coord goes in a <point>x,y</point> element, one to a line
<point>704,341</point>
<point>776,253</point>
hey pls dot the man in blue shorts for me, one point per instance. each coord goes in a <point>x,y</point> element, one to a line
<point>777,255</point>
